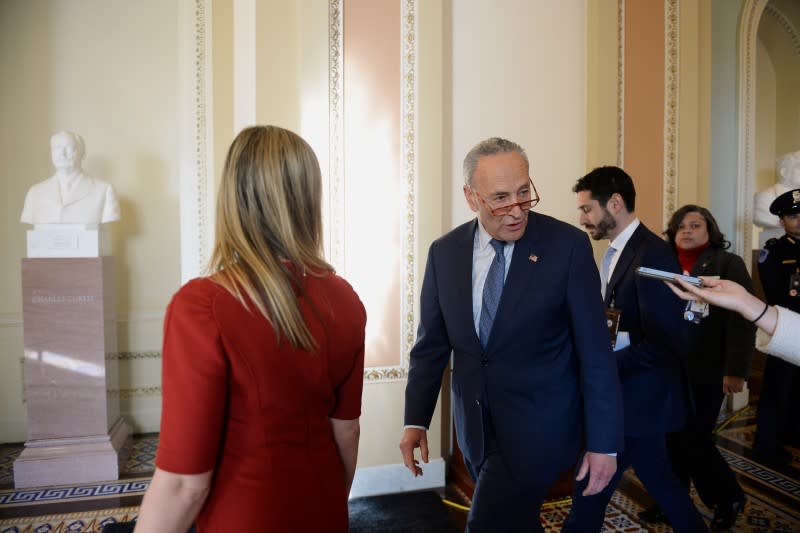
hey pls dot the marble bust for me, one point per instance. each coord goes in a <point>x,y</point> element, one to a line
<point>788,169</point>
<point>69,196</point>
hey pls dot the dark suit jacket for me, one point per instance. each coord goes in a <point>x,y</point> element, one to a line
<point>652,368</point>
<point>723,343</point>
<point>779,260</point>
<point>547,374</point>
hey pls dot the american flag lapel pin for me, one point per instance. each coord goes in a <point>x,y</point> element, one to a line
<point>533,258</point>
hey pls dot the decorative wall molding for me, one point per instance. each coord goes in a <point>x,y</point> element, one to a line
<point>387,373</point>
<point>748,41</point>
<point>203,85</point>
<point>196,181</point>
<point>126,394</point>
<point>409,172</point>
<point>10,320</point>
<point>336,227</point>
<point>671,102</point>
<point>115,393</point>
<point>336,187</point>
<point>130,356</point>
<point>621,83</point>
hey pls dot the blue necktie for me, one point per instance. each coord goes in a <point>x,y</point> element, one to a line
<point>492,289</point>
<point>605,268</point>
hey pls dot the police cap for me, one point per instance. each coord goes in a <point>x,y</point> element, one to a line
<point>786,204</point>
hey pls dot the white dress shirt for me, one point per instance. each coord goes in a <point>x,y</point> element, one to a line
<point>619,243</point>
<point>482,257</point>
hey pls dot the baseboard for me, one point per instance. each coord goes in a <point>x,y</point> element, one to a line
<point>389,479</point>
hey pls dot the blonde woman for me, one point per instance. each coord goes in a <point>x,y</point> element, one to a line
<point>262,361</point>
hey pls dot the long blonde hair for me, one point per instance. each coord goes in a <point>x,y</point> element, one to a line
<point>269,213</point>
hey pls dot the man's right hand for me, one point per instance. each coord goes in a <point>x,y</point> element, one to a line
<point>600,467</point>
<point>414,438</point>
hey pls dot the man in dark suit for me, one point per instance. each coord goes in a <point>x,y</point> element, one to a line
<point>513,297</point>
<point>647,349</point>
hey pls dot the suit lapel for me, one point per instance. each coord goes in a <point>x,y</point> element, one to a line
<point>624,262</point>
<point>462,255</point>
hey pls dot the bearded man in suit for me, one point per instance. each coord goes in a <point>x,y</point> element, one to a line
<point>648,349</point>
<point>513,296</point>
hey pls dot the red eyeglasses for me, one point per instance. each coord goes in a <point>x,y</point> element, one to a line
<point>524,205</point>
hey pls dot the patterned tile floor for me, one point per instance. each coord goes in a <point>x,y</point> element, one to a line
<point>773,494</point>
<point>16,504</point>
<point>773,503</point>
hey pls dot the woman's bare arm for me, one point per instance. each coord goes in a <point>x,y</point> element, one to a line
<point>172,502</point>
<point>346,433</point>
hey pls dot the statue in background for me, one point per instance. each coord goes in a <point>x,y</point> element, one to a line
<point>69,196</point>
<point>788,169</point>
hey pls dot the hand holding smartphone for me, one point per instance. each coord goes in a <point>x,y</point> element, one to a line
<point>668,276</point>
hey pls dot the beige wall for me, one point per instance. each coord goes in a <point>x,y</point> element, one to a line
<point>128,114</point>
<point>694,99</point>
<point>108,71</point>
<point>601,80</point>
<point>602,90</point>
<point>694,102</point>
<point>382,415</point>
<point>766,110</point>
<point>539,72</point>
<point>519,71</point>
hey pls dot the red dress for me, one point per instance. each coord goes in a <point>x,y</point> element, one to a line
<point>255,410</point>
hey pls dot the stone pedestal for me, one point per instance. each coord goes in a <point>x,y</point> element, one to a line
<point>75,431</point>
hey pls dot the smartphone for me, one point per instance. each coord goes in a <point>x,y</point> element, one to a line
<point>668,276</point>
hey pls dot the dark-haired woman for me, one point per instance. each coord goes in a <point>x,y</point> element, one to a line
<point>719,357</point>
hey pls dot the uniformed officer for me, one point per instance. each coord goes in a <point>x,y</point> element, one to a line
<point>779,269</point>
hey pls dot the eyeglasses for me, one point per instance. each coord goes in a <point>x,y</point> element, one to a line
<point>502,210</point>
